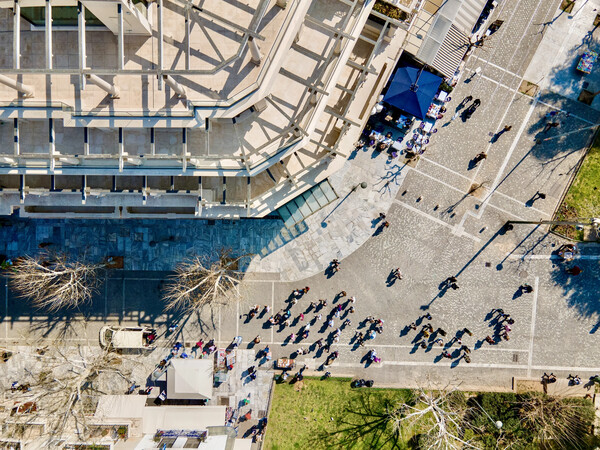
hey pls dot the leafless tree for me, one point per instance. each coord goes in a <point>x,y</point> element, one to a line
<point>436,416</point>
<point>440,413</point>
<point>205,281</point>
<point>61,390</point>
<point>53,281</point>
<point>560,422</point>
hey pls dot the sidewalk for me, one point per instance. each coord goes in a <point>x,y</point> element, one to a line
<point>158,245</point>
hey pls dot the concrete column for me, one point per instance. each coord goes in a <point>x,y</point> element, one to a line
<point>104,85</point>
<point>51,143</point>
<point>120,38</point>
<point>48,35</point>
<point>81,40</point>
<point>184,148</point>
<point>313,99</point>
<point>178,88</point>
<point>23,88</point>
<point>188,24</point>
<point>298,34</point>
<point>338,47</point>
<point>17,35</point>
<point>159,9</point>
<point>16,144</point>
<point>254,50</point>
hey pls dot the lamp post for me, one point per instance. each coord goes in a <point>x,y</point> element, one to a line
<point>497,423</point>
<point>362,185</point>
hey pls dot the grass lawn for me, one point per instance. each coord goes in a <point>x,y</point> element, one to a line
<point>583,199</point>
<point>301,417</point>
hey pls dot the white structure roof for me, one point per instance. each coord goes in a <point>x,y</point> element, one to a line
<point>190,379</point>
<point>120,407</point>
<point>182,418</point>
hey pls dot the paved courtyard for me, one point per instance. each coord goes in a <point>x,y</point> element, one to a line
<point>437,230</point>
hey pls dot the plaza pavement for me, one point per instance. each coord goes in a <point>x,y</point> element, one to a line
<point>437,230</point>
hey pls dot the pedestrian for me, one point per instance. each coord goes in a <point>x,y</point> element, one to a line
<point>413,326</point>
<point>381,216</point>
<point>286,323</point>
<point>446,354</point>
<point>305,290</point>
<point>397,273</point>
<point>337,313</point>
<point>385,224</point>
<point>351,310</point>
<point>347,322</point>
<point>441,332</point>
<point>312,305</point>
<point>257,339</point>
<point>510,321</point>
<point>342,294</point>
<point>454,286</point>
<point>498,311</point>
<point>481,156</point>
<point>267,309</point>
<point>440,342</point>
<point>322,303</point>
<point>526,288</point>
<point>318,317</point>
<point>173,328</point>
<point>427,316</point>
<point>351,299</point>
<point>330,323</point>
<point>465,349</point>
<point>294,301</point>
<point>292,337</point>
<point>466,330</point>
<point>319,343</point>
<point>575,270</point>
<point>450,280</point>
<point>251,369</point>
<point>423,344</point>
<point>507,128</point>
<point>467,359</point>
<point>490,340</point>
<point>301,316</point>
<point>337,332</point>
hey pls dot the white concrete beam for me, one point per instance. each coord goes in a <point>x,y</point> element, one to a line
<point>178,88</point>
<point>102,84</point>
<point>254,51</point>
<point>120,38</point>
<point>17,35</point>
<point>23,88</point>
<point>159,10</point>
<point>48,35</point>
<point>81,40</point>
<point>188,24</point>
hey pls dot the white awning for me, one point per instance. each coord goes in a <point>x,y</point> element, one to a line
<point>182,418</point>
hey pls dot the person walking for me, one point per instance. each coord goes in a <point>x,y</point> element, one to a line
<point>397,273</point>
<point>526,288</point>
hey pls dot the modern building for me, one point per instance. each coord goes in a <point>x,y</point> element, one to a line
<point>184,108</point>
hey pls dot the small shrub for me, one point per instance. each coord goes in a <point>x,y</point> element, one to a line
<point>391,11</point>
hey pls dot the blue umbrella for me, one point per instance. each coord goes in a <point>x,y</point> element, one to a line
<point>412,90</point>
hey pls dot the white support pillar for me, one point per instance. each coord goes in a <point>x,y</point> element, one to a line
<point>338,46</point>
<point>48,35</point>
<point>16,144</point>
<point>298,34</point>
<point>184,148</point>
<point>82,43</point>
<point>17,35</point>
<point>102,84</point>
<point>23,88</point>
<point>178,88</point>
<point>86,141</point>
<point>121,150</point>
<point>159,8</point>
<point>121,43</point>
<point>51,143</point>
<point>188,24</point>
<point>254,51</point>
<point>152,142</point>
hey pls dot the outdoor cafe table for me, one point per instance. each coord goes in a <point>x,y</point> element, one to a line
<point>434,110</point>
<point>285,363</point>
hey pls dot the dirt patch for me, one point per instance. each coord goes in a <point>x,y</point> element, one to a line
<point>523,386</point>
<point>528,88</point>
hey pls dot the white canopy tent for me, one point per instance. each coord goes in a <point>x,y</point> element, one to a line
<point>190,379</point>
